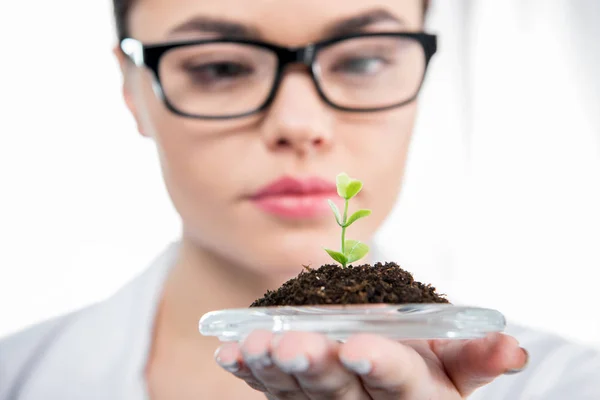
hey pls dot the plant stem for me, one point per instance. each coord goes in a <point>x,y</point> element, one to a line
<point>344,220</point>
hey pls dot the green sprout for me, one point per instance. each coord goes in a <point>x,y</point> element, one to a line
<point>352,250</point>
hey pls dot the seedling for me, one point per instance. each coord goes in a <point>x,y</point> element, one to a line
<point>352,250</point>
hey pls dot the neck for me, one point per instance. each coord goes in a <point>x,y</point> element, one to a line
<point>201,281</point>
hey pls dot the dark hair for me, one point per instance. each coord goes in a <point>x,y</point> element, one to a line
<point>122,8</point>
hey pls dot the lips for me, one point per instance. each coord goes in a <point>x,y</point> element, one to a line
<point>296,198</point>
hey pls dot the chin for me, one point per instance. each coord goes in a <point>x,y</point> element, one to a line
<point>286,264</point>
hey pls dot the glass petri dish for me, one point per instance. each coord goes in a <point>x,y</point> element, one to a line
<point>402,321</point>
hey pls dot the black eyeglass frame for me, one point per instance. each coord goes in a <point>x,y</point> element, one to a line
<point>149,55</point>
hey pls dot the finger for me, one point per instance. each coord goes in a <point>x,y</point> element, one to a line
<point>256,352</point>
<point>389,370</point>
<point>229,357</point>
<point>313,359</point>
<point>475,363</point>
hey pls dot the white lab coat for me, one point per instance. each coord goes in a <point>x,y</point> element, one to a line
<point>101,351</point>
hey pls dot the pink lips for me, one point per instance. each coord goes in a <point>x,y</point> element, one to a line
<point>296,198</point>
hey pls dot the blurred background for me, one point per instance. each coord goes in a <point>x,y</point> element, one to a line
<point>501,205</point>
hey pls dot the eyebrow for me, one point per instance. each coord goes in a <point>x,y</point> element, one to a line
<point>361,21</point>
<point>221,27</point>
<point>226,28</point>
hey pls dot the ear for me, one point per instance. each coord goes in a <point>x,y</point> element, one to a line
<point>127,71</point>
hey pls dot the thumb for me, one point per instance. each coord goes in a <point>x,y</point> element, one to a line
<point>474,363</point>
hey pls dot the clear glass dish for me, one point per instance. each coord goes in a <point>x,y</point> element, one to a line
<point>402,321</point>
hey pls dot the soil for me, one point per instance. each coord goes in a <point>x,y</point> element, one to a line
<point>363,284</point>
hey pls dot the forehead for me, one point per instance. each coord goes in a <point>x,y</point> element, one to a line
<point>289,22</point>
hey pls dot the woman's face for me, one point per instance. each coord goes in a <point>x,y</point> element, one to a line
<point>215,169</point>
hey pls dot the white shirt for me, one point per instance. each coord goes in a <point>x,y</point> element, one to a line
<point>101,352</point>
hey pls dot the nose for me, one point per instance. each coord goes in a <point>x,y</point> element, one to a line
<point>298,121</point>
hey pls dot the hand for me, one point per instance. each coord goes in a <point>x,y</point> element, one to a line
<point>303,365</point>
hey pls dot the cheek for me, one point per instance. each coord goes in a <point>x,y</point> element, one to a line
<point>195,165</point>
<point>193,156</point>
<point>379,141</point>
<point>176,138</point>
<point>377,154</point>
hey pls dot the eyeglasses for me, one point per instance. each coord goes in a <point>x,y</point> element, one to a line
<point>232,78</point>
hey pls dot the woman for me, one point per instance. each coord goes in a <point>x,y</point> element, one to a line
<point>250,135</point>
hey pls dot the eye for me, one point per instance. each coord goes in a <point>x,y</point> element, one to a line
<point>359,65</point>
<point>218,71</point>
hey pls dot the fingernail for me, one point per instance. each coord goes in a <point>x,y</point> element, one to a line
<point>232,366</point>
<point>516,371</point>
<point>295,365</point>
<point>360,367</point>
<point>260,360</point>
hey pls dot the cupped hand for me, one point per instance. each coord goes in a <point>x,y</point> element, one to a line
<point>303,365</point>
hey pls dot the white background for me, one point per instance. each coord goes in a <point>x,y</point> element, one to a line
<point>501,206</point>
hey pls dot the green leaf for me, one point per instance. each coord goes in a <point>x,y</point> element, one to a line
<point>342,181</point>
<point>336,211</point>
<point>357,215</point>
<point>355,250</point>
<point>353,188</point>
<point>337,256</point>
